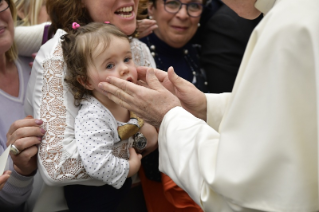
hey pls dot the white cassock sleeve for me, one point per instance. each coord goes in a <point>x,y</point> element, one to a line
<point>264,155</point>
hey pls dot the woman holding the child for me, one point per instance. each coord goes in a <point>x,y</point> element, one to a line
<point>49,97</point>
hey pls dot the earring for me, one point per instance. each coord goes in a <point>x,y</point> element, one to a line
<point>198,25</point>
<point>150,17</point>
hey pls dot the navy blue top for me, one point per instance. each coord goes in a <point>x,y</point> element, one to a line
<point>185,60</point>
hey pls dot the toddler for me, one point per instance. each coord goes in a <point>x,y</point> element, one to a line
<point>104,131</point>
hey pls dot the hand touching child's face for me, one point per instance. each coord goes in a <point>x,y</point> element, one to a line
<point>114,61</point>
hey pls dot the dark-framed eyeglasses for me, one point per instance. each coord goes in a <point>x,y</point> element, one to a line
<point>4,4</point>
<point>194,9</point>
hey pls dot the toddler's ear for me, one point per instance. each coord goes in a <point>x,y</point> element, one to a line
<point>84,83</point>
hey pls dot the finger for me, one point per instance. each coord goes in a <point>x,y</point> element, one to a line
<point>151,28</point>
<point>26,162</point>
<point>146,31</point>
<point>177,81</point>
<point>114,91</point>
<point>3,179</point>
<point>34,55</point>
<point>128,87</point>
<point>152,80</point>
<point>133,154</point>
<point>25,155</point>
<point>26,142</point>
<point>142,83</point>
<point>25,132</point>
<point>8,172</point>
<point>142,70</point>
<point>146,22</point>
<point>27,122</point>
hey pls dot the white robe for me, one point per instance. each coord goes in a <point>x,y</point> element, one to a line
<point>258,150</point>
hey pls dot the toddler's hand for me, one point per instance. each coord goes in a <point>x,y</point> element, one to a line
<point>135,162</point>
<point>151,135</point>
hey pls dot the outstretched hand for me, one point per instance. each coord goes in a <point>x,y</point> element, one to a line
<point>192,99</point>
<point>150,103</point>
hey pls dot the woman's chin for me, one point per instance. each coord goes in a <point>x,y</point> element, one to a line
<point>128,29</point>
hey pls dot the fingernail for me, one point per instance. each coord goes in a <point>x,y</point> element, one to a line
<point>40,138</point>
<point>43,131</point>
<point>38,121</point>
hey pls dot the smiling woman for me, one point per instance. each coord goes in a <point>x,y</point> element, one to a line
<point>48,97</point>
<point>121,13</point>
<point>14,76</point>
<point>170,44</point>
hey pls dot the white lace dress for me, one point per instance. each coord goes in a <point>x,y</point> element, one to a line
<point>49,99</point>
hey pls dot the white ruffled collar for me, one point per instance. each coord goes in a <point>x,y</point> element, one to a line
<point>264,5</point>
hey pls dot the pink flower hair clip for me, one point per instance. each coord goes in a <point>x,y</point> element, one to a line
<point>75,25</point>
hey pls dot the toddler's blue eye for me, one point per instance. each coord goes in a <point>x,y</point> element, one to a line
<point>126,60</point>
<point>109,66</point>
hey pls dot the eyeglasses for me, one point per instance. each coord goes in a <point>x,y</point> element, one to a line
<point>4,4</point>
<point>174,6</point>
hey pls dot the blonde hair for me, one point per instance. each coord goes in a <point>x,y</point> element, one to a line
<point>30,9</point>
<point>78,46</point>
<point>12,53</point>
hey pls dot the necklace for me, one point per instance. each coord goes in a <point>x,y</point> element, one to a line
<point>193,66</point>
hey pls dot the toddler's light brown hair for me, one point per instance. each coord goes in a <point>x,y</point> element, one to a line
<point>78,47</point>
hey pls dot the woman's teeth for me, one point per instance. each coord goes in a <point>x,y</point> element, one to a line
<point>125,12</point>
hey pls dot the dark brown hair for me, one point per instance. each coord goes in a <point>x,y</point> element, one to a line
<point>78,47</point>
<point>64,12</point>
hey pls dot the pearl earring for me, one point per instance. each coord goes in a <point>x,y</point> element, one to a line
<point>150,17</point>
<point>198,25</point>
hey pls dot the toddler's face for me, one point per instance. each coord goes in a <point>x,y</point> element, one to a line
<point>114,61</point>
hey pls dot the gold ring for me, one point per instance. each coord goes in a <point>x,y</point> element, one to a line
<point>14,150</point>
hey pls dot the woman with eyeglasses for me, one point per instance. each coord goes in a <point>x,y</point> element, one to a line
<point>171,45</point>
<point>14,76</point>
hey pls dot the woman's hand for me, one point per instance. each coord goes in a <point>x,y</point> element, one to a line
<point>151,104</point>
<point>25,134</point>
<point>145,27</point>
<point>192,99</point>
<point>33,56</point>
<point>4,178</point>
<point>151,135</point>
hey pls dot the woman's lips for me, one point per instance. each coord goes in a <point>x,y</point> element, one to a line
<point>180,28</point>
